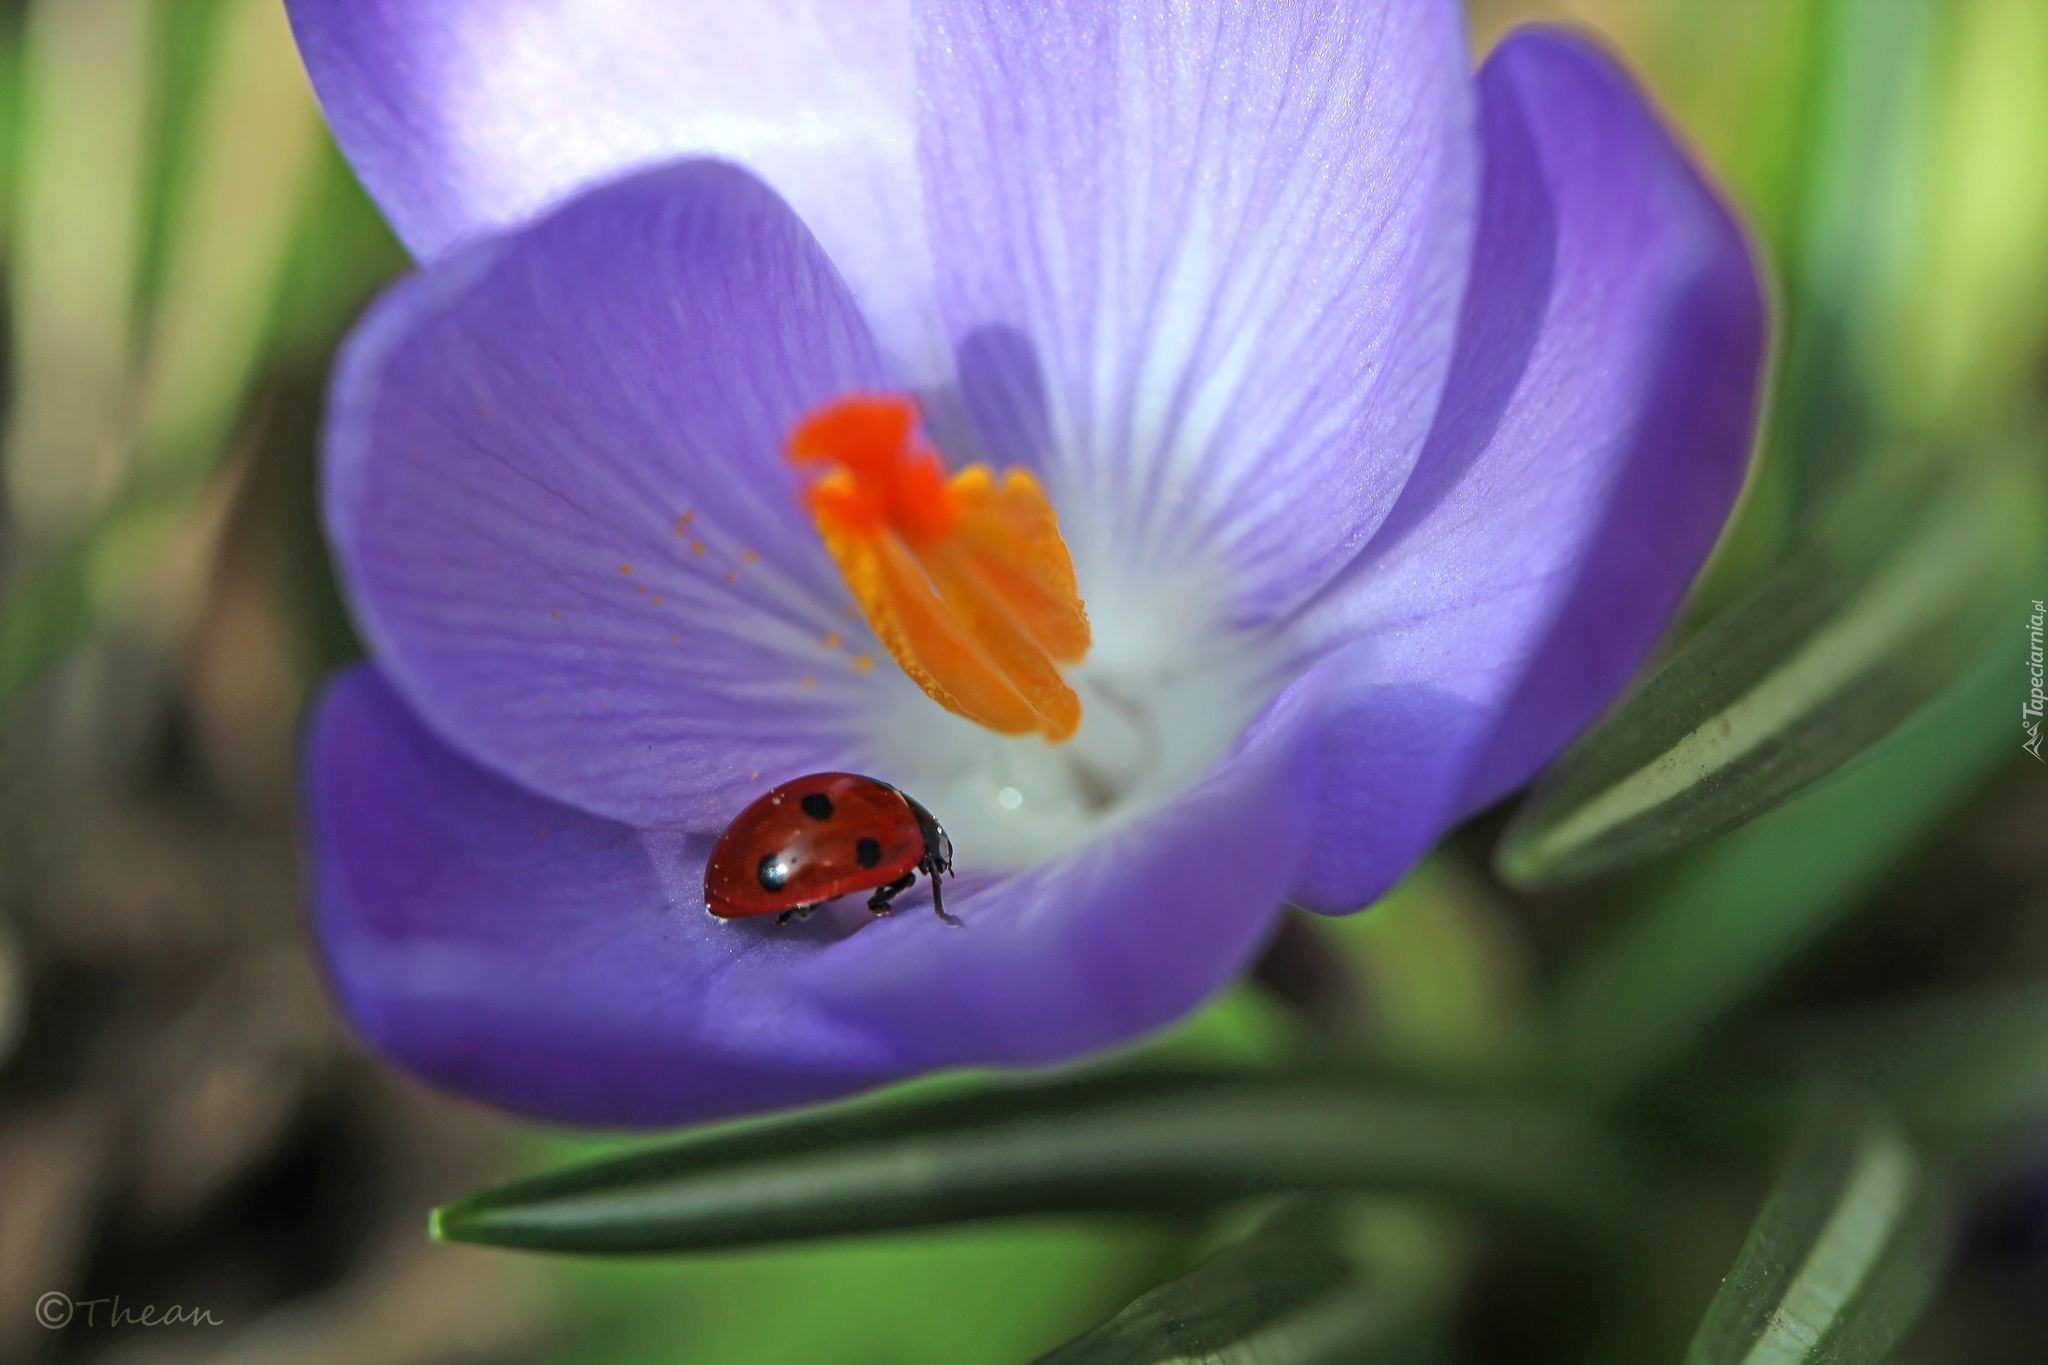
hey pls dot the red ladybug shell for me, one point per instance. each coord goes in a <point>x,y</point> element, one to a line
<point>818,837</point>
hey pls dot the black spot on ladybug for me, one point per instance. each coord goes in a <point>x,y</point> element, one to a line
<point>868,852</point>
<point>818,806</point>
<point>773,873</point>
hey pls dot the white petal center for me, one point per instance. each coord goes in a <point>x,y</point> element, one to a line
<point>1166,688</point>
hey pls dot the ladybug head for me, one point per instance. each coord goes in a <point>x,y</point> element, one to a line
<point>938,849</point>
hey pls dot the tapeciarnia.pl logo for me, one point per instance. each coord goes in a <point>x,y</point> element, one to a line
<point>2030,710</point>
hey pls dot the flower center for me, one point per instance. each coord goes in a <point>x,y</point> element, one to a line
<point>964,579</point>
<point>1167,686</point>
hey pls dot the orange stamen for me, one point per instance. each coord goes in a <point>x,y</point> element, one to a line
<point>965,580</point>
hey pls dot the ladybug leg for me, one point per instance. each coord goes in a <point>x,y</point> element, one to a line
<point>799,914</point>
<point>879,902</point>
<point>938,902</point>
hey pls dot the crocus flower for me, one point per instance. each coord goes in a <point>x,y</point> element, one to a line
<point>1200,450</point>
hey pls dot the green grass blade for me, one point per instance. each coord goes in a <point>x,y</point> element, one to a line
<point>1156,1141</point>
<point>245,181</point>
<point>1957,1068</point>
<point>253,162</point>
<point>72,257</point>
<point>1315,1285</point>
<point>1852,259</point>
<point>1841,1259</point>
<point>1844,641</point>
<point>1714,929</point>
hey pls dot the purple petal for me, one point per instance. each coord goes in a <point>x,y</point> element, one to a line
<point>1393,756</point>
<point>464,117</point>
<point>556,491</point>
<point>562,965</point>
<point>1594,433</point>
<point>1694,416</point>
<point>531,955</point>
<point>1233,234</point>
<point>1123,935</point>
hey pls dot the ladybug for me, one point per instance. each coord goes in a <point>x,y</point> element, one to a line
<point>818,837</point>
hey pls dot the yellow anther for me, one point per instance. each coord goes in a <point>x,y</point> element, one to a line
<point>964,579</point>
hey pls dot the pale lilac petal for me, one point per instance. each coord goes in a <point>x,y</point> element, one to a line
<point>1238,276</point>
<point>1594,434</point>
<point>558,498</point>
<point>1226,240</point>
<point>464,117</point>
<point>561,965</point>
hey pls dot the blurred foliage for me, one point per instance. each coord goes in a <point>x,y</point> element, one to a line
<point>1729,1044</point>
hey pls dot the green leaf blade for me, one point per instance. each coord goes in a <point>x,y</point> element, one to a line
<point>1171,1143</point>
<point>1957,1069</point>
<point>1315,1285</point>
<point>1853,633</point>
<point>1725,919</point>
<point>1841,1259</point>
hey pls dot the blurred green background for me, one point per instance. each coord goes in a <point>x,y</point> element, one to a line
<point>181,1120</point>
